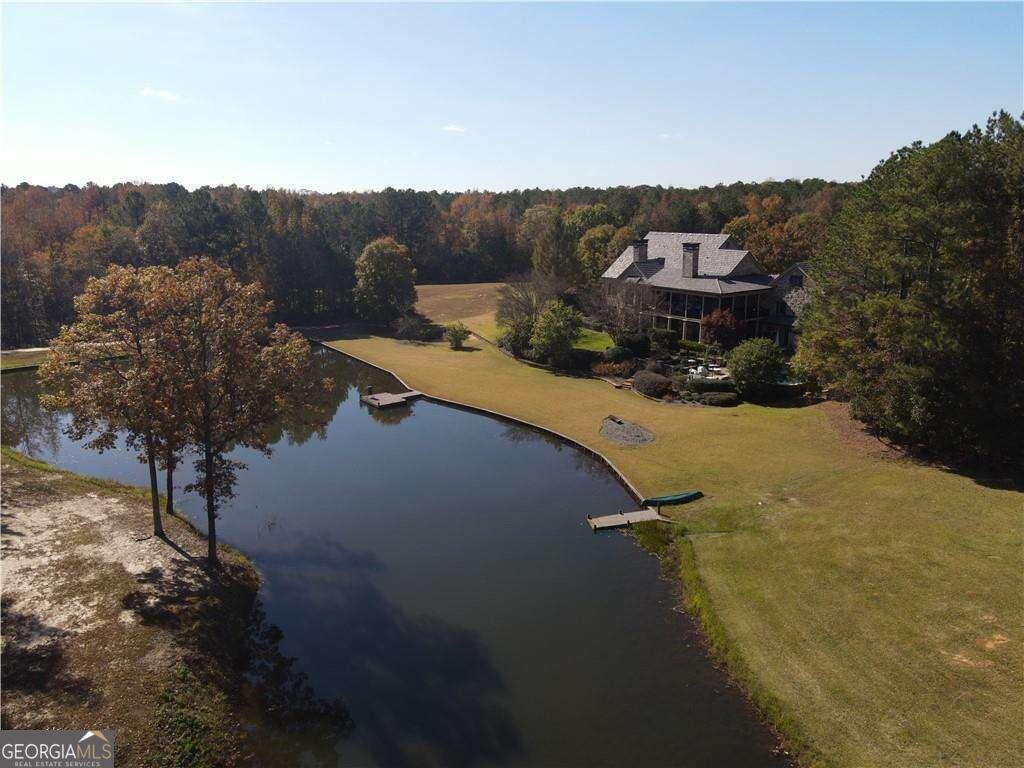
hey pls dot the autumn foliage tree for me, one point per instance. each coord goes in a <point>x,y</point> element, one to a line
<point>779,234</point>
<point>720,327</point>
<point>180,360</point>
<point>105,368</point>
<point>303,246</point>
<point>385,280</point>
<point>236,371</point>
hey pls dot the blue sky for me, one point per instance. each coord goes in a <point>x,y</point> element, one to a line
<point>352,97</point>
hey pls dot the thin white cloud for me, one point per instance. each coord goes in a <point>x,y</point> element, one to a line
<point>149,92</point>
<point>669,136</point>
<point>454,128</point>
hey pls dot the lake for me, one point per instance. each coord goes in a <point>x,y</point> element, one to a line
<point>433,568</point>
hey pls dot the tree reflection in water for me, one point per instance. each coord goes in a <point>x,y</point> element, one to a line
<point>26,425</point>
<point>421,691</point>
<point>583,461</point>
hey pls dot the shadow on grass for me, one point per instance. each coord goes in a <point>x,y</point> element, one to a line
<point>34,655</point>
<point>345,331</point>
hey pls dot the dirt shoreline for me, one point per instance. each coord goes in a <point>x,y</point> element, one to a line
<point>106,626</point>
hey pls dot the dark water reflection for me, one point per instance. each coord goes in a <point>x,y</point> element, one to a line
<point>431,567</point>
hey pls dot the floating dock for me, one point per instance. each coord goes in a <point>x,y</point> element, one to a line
<point>623,519</point>
<point>388,399</point>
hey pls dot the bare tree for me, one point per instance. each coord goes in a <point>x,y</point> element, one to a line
<point>616,307</point>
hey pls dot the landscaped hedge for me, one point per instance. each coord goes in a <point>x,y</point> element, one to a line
<point>718,398</point>
<point>623,369</point>
<point>652,384</point>
<point>515,340</point>
<point>639,343</point>
<point>693,346</point>
<point>664,341</point>
<point>583,359</point>
<point>702,384</point>
<point>656,366</point>
<point>617,354</point>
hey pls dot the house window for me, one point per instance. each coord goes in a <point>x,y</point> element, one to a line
<point>753,302</point>
<point>693,304</point>
<point>710,305</point>
<point>796,280</point>
<point>781,308</point>
<point>678,304</point>
<point>743,308</point>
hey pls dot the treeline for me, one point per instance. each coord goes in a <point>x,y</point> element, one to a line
<point>302,246</point>
<point>918,319</point>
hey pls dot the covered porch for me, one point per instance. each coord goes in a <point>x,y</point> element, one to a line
<point>684,311</point>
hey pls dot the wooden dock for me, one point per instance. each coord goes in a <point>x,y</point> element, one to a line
<point>625,518</point>
<point>388,399</point>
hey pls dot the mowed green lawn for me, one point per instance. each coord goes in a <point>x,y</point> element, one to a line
<point>872,604</point>
<point>596,341</point>
<point>445,303</point>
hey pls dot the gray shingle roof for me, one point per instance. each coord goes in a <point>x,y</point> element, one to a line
<point>719,269</point>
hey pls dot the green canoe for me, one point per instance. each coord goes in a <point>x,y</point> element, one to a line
<point>672,498</point>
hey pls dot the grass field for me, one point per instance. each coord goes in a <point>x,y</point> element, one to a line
<point>872,606</point>
<point>597,341</point>
<point>443,303</point>
<point>20,359</point>
<point>476,301</point>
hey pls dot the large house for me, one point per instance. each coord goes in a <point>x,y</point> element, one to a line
<point>676,279</point>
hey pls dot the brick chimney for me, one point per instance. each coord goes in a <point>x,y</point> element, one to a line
<point>690,254</point>
<point>639,250</point>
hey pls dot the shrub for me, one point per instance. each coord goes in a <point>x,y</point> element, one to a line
<point>664,341</point>
<point>724,399</point>
<point>456,334</point>
<point>532,355</point>
<point>583,359</point>
<point>415,328</point>
<point>651,384</point>
<point>521,300</point>
<point>701,384</point>
<point>755,364</point>
<point>656,366</point>
<point>695,347</point>
<point>638,343</point>
<point>515,339</point>
<point>616,354</point>
<point>624,368</point>
<point>555,331</point>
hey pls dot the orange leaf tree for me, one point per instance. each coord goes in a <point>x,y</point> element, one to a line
<point>235,373</point>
